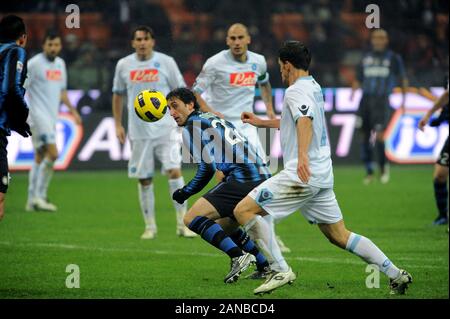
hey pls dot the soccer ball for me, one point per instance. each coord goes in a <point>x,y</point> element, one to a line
<point>150,106</point>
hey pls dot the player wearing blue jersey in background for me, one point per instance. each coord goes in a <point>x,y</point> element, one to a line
<point>306,181</point>
<point>13,108</point>
<point>214,144</point>
<point>379,72</point>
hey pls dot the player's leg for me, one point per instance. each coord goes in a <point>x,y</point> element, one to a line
<point>45,174</point>
<point>243,241</point>
<point>201,219</point>
<point>39,153</point>
<point>169,154</point>
<point>325,210</point>
<point>4,174</point>
<point>141,167</point>
<point>380,123</point>
<point>440,179</point>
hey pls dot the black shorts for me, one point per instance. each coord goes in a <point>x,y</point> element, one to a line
<point>226,195</point>
<point>443,156</point>
<point>4,174</point>
<point>374,113</point>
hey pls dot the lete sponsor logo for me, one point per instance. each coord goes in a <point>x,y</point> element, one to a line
<point>68,138</point>
<point>53,75</point>
<point>243,79</point>
<point>147,75</point>
<point>406,144</point>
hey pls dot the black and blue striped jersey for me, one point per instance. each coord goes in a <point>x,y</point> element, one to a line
<point>215,144</point>
<point>13,107</point>
<point>380,72</point>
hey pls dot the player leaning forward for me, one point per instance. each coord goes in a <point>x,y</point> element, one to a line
<point>307,172</point>
<point>147,69</point>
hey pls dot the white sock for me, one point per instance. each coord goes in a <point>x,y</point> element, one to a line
<point>44,175</point>
<point>147,202</point>
<point>371,254</point>
<point>262,234</point>
<point>181,209</point>
<point>32,181</point>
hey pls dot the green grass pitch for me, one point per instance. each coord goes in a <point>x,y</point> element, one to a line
<point>99,223</point>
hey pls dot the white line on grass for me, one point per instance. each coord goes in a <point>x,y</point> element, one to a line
<point>324,260</point>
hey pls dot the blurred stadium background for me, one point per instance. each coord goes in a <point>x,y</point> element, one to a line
<point>191,31</point>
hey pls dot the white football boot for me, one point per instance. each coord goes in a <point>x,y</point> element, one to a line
<point>399,285</point>
<point>183,231</point>
<point>148,234</point>
<point>42,204</point>
<point>275,280</point>
<point>237,266</point>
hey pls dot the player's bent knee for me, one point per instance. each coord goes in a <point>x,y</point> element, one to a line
<point>145,181</point>
<point>174,173</point>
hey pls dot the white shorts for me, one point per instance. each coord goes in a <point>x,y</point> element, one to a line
<point>142,160</point>
<point>283,194</point>
<point>40,139</point>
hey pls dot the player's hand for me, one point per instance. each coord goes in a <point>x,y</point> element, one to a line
<point>303,171</point>
<point>423,122</point>
<point>120,133</point>
<point>23,130</point>
<point>250,118</point>
<point>179,196</point>
<point>218,114</point>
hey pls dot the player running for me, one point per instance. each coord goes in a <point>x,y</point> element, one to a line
<point>378,73</point>
<point>441,166</point>
<point>306,182</point>
<point>229,79</point>
<point>215,144</point>
<point>46,87</point>
<point>152,70</point>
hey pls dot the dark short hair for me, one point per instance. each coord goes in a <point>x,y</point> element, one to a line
<point>51,35</point>
<point>144,28</point>
<point>296,53</point>
<point>11,28</point>
<point>185,95</point>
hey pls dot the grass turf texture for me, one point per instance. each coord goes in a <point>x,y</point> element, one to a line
<point>99,223</point>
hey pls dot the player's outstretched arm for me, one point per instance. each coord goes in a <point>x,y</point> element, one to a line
<point>117,109</point>
<point>266,94</point>
<point>251,118</point>
<point>443,100</point>
<point>304,136</point>
<point>204,107</point>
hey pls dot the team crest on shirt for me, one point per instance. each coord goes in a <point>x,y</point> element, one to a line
<point>53,75</point>
<point>145,75</point>
<point>243,79</point>
<point>254,66</point>
<point>19,67</point>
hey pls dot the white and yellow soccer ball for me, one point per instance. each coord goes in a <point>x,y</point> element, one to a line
<point>150,106</point>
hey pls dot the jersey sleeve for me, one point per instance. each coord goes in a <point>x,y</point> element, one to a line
<point>176,79</point>
<point>205,78</point>
<point>205,170</point>
<point>16,72</point>
<point>300,104</point>
<point>399,67</point>
<point>30,74</point>
<point>264,75</point>
<point>360,72</point>
<point>119,85</point>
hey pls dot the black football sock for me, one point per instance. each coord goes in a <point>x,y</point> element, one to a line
<point>243,240</point>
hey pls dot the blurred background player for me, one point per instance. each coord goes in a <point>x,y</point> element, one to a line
<point>151,70</point>
<point>380,70</point>
<point>441,167</point>
<point>228,80</point>
<point>13,108</point>
<point>46,88</point>
<point>211,216</point>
